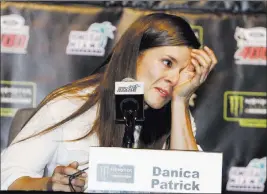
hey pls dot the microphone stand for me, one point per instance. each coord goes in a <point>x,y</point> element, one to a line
<point>128,138</point>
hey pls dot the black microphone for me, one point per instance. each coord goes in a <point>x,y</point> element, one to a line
<point>129,99</point>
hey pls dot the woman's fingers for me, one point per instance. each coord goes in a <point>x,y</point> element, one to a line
<point>65,188</point>
<point>204,58</point>
<point>74,165</point>
<point>78,182</point>
<point>207,60</point>
<point>69,170</point>
<point>197,68</point>
<point>190,68</point>
<point>65,170</point>
<point>59,178</point>
<point>203,63</point>
<point>212,56</point>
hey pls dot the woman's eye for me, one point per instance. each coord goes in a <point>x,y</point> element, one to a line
<point>167,62</point>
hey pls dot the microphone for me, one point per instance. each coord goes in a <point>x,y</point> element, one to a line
<point>129,99</point>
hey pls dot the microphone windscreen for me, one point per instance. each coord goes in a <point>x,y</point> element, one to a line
<point>128,79</point>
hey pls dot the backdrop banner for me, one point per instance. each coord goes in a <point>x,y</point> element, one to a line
<point>45,46</point>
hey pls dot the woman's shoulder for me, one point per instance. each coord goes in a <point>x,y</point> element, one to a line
<point>73,95</point>
<point>54,111</point>
<point>77,96</point>
<point>69,102</point>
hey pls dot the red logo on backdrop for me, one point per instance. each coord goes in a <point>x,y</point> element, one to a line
<point>252,53</point>
<point>14,34</point>
<point>251,44</point>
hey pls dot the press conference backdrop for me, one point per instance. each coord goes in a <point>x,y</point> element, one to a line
<point>45,46</point>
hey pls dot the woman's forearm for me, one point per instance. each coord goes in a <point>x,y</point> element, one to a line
<point>28,183</point>
<point>182,137</point>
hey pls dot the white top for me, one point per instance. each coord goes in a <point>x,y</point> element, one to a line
<point>37,157</point>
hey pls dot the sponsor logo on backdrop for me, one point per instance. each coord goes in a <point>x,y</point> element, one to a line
<point>192,100</point>
<point>91,42</point>
<point>16,95</point>
<point>247,108</point>
<point>251,43</point>
<point>198,30</point>
<point>248,179</point>
<point>14,34</point>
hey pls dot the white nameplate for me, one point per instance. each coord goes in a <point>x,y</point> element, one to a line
<point>165,171</point>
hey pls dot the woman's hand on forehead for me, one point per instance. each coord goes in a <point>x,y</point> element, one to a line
<point>195,73</point>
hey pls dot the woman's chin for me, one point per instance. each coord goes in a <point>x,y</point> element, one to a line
<point>154,105</point>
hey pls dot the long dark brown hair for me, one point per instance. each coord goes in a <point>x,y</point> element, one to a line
<point>147,32</point>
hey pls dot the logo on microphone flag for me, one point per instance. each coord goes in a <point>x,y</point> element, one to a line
<point>122,88</point>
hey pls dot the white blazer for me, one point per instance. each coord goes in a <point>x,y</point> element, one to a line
<point>38,157</point>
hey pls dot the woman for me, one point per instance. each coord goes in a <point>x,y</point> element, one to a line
<point>160,50</point>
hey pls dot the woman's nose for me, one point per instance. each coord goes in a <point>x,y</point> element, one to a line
<point>172,77</point>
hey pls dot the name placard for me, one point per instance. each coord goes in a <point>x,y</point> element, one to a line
<point>164,171</point>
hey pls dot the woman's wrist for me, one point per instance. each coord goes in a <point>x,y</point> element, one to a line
<point>28,184</point>
<point>180,101</point>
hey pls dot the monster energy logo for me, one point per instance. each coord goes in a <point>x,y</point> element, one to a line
<point>115,173</point>
<point>236,105</point>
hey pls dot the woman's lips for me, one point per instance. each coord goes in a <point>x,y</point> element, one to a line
<point>162,92</point>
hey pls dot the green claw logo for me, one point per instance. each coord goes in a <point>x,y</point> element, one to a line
<point>246,108</point>
<point>198,30</point>
<point>236,105</point>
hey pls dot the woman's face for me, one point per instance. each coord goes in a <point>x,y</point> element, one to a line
<point>159,68</point>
